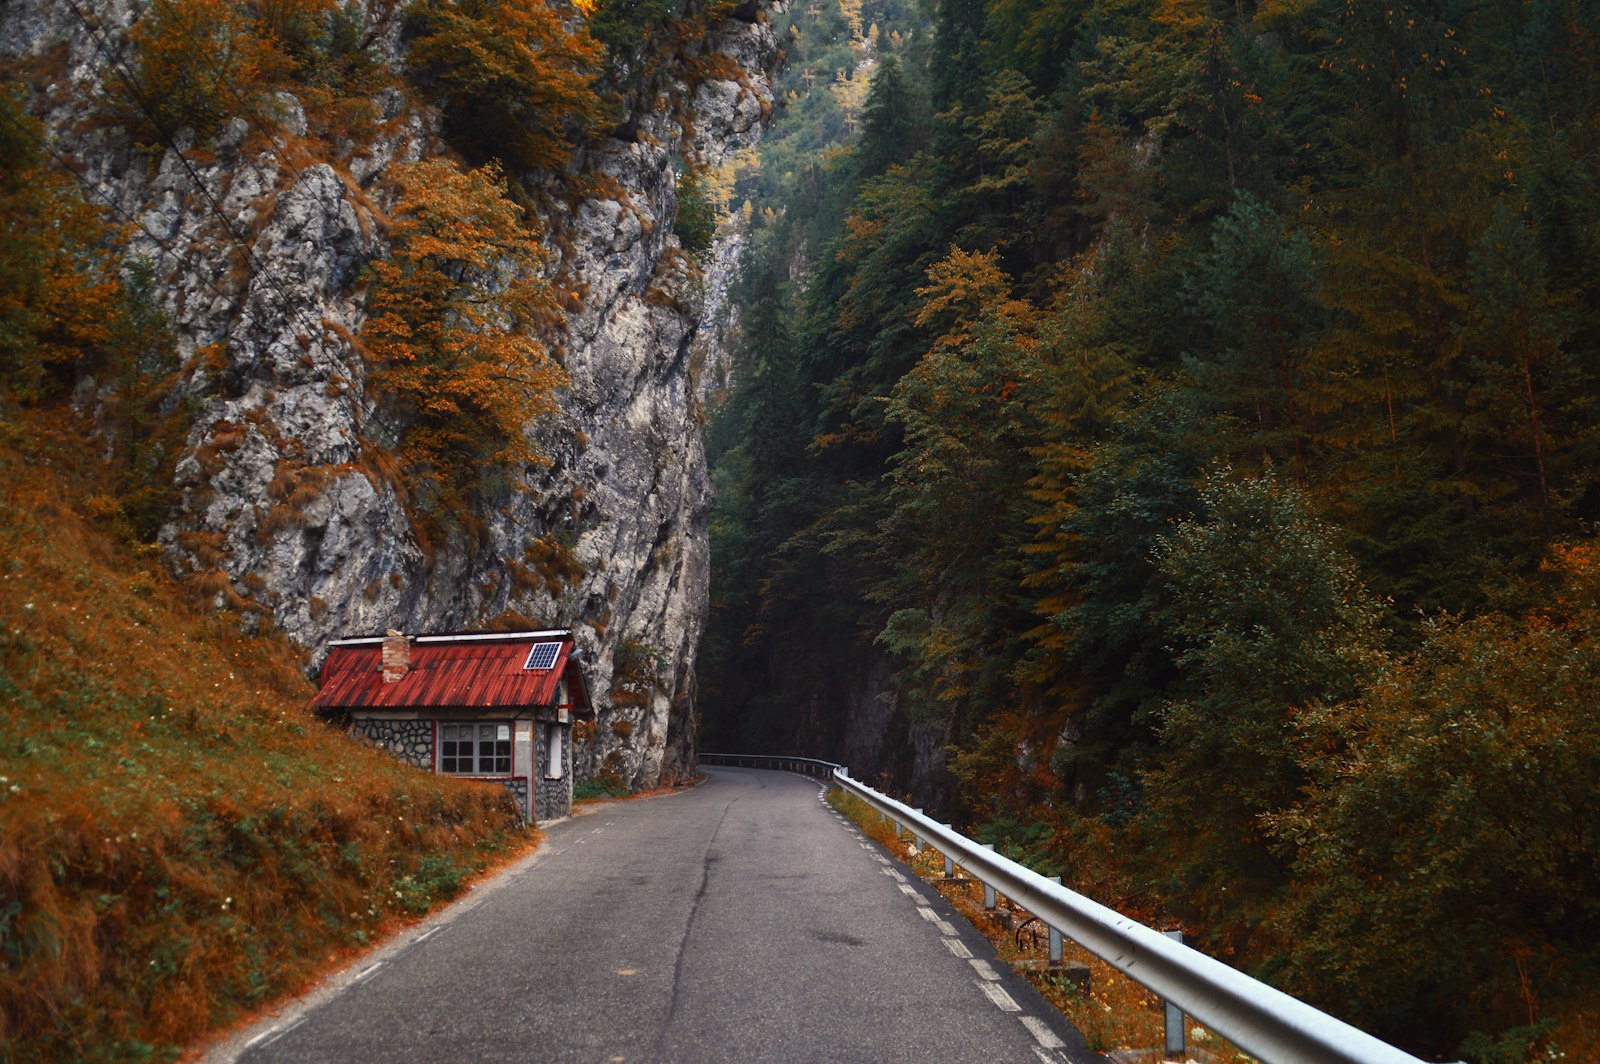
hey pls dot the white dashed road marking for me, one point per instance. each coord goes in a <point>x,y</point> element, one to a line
<point>367,973</point>
<point>267,1037</point>
<point>996,994</point>
<point>988,979</point>
<point>1041,1033</point>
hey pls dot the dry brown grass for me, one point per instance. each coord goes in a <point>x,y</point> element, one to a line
<point>181,842</point>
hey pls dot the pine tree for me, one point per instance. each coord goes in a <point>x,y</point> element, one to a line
<point>891,124</point>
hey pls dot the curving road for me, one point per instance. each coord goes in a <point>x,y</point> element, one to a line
<point>741,921</point>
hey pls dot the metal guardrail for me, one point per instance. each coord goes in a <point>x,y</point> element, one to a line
<point>1263,1021</point>
<point>806,766</point>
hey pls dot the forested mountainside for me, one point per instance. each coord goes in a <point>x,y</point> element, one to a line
<point>321,317</point>
<point>1165,438</point>
<point>425,345</point>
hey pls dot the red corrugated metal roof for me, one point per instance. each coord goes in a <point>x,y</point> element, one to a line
<point>457,672</point>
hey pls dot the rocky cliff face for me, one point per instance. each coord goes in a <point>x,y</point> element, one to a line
<point>259,244</point>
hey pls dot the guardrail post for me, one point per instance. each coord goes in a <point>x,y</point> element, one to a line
<point>949,863</point>
<point>988,890</point>
<point>1175,1037</point>
<point>1055,933</point>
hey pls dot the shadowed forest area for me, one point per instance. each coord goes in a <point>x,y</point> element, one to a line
<point>1191,409</point>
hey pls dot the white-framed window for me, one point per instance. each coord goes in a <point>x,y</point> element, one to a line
<point>553,752</point>
<point>477,749</point>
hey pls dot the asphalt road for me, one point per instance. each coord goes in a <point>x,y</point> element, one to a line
<point>741,921</point>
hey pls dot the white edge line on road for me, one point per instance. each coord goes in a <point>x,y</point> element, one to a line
<point>227,1049</point>
<point>928,915</point>
<point>907,888</point>
<point>984,969</point>
<point>274,1034</point>
<point>1041,1032</point>
<point>944,926</point>
<point>1047,1056</point>
<point>997,995</point>
<point>958,947</point>
<point>429,933</point>
<point>367,972</point>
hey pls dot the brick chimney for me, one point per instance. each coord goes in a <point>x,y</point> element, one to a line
<point>396,656</point>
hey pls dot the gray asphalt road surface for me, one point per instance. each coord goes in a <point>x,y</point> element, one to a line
<point>740,921</point>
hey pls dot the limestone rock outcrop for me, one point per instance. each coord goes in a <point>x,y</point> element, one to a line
<point>259,252</point>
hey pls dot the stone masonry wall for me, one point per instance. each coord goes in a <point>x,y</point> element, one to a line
<point>519,790</point>
<point>552,798</point>
<point>409,740</point>
<point>412,742</point>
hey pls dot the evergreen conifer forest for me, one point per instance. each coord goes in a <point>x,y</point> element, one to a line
<point>1180,419</point>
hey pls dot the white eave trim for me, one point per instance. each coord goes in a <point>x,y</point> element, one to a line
<point>482,637</point>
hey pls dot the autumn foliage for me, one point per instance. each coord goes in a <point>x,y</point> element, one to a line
<point>60,296</point>
<point>453,336</point>
<point>1175,421</point>
<point>200,62</point>
<point>515,78</point>
<point>72,310</point>
<point>181,843</point>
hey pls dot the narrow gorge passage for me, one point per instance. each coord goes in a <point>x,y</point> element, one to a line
<point>741,921</point>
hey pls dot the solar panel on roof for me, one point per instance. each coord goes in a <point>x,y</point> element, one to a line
<point>542,656</point>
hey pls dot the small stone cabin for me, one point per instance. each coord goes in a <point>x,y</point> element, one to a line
<point>490,705</point>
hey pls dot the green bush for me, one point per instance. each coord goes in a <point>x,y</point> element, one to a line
<point>607,786</point>
<point>696,224</point>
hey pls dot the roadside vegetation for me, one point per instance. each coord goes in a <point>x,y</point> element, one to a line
<point>181,842</point>
<point>1112,1011</point>
<point>1180,416</point>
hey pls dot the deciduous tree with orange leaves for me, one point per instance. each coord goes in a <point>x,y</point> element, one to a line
<point>515,79</point>
<point>456,313</point>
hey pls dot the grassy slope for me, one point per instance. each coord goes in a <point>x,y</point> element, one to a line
<point>180,841</point>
